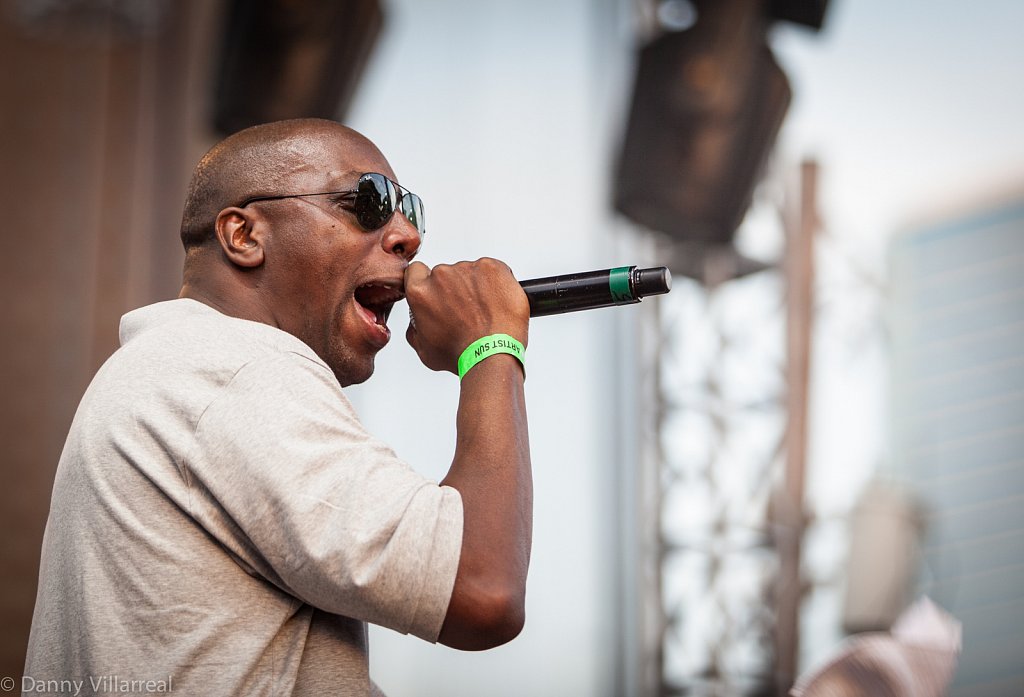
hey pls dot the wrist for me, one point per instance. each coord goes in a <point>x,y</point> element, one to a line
<point>488,346</point>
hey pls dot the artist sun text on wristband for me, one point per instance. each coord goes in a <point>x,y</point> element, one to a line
<point>501,345</point>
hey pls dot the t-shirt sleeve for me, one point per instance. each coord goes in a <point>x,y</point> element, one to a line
<point>285,476</point>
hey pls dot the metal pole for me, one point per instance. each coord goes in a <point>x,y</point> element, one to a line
<point>789,514</point>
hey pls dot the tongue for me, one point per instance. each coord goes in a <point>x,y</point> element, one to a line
<point>369,314</point>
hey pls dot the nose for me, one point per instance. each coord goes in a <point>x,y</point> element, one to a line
<point>401,237</point>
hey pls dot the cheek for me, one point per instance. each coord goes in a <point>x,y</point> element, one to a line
<point>330,279</point>
<point>327,264</point>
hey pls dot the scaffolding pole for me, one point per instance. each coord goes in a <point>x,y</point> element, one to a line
<point>789,511</point>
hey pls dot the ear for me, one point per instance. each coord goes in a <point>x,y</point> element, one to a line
<point>234,229</point>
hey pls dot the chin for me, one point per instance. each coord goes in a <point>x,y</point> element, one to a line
<point>352,375</point>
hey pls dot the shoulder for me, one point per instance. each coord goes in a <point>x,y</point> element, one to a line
<point>188,333</point>
<point>192,320</point>
<point>179,357</point>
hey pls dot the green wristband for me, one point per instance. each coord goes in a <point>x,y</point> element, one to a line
<point>489,346</point>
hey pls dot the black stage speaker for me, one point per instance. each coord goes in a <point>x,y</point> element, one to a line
<point>707,105</point>
<point>286,59</point>
<point>809,13</point>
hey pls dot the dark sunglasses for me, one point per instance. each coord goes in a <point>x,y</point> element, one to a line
<point>374,200</point>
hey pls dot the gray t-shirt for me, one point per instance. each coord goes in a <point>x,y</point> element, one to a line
<point>221,520</point>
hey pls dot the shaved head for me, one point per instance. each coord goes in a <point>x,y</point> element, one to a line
<point>257,161</point>
<point>297,259</point>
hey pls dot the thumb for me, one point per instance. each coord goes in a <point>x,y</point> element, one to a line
<point>416,273</point>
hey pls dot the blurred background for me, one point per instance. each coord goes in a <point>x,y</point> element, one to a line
<point>822,421</point>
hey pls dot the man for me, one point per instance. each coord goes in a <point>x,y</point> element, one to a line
<point>221,521</point>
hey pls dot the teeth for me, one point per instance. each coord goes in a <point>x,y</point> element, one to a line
<point>391,295</point>
<point>379,299</point>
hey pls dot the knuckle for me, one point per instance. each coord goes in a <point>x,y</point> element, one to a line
<point>494,268</point>
<point>415,291</point>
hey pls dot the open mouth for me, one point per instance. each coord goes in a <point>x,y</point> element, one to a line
<point>376,299</point>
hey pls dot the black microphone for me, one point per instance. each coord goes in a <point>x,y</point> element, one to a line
<point>590,290</point>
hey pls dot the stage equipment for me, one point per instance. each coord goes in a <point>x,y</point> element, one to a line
<point>286,59</point>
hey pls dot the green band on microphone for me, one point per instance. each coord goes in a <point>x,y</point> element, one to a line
<point>618,284</point>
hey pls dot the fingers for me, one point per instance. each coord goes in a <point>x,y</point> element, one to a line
<point>456,304</point>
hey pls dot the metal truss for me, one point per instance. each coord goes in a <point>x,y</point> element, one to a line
<point>721,429</point>
<point>721,498</point>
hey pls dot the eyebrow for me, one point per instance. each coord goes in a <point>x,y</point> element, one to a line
<point>345,179</point>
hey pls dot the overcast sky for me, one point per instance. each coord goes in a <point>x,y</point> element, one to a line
<point>915,107</point>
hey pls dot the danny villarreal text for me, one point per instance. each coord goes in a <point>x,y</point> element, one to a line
<point>102,684</point>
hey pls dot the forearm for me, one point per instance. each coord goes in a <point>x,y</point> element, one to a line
<point>491,470</point>
<point>452,307</point>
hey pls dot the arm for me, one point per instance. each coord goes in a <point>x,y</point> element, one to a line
<point>453,306</point>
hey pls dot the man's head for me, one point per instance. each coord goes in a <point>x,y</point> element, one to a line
<point>303,264</point>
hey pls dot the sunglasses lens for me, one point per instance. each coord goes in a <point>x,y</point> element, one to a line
<point>374,202</point>
<point>412,208</point>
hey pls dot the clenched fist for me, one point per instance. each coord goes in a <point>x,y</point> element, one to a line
<point>451,306</point>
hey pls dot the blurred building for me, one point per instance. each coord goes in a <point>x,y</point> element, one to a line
<point>958,428</point>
